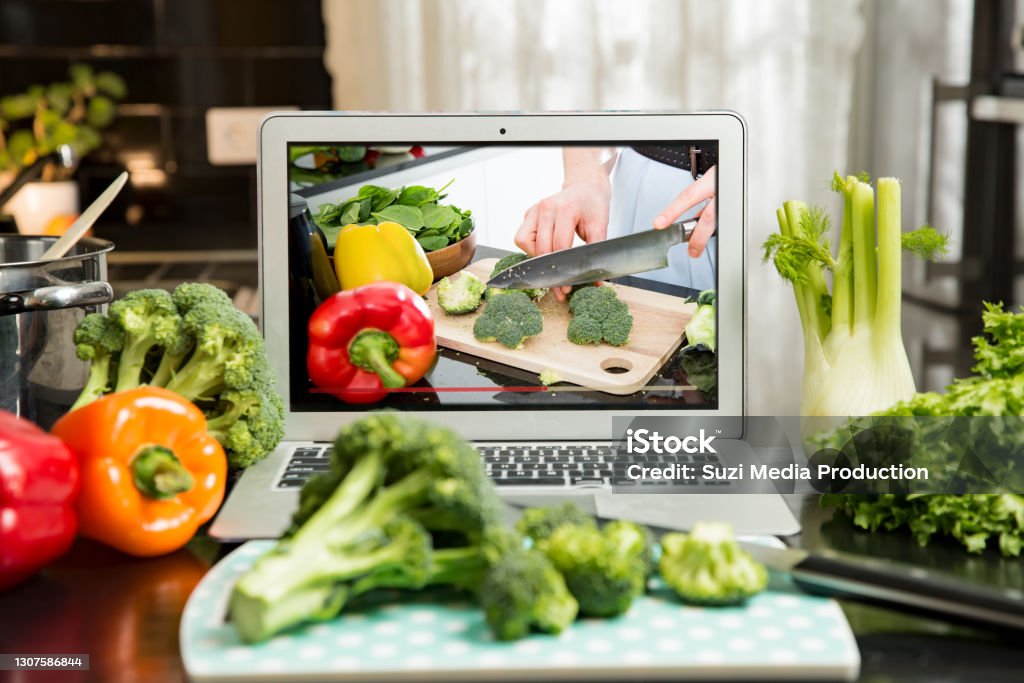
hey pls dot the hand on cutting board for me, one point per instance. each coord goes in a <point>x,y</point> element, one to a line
<point>701,190</point>
<point>581,208</point>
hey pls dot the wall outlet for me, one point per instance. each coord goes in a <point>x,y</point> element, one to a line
<point>232,133</point>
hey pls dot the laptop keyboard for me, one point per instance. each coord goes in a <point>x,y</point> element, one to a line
<point>525,465</point>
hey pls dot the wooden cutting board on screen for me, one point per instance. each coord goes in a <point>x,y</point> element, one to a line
<point>659,321</point>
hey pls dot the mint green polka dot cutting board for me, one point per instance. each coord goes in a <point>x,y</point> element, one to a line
<point>781,634</point>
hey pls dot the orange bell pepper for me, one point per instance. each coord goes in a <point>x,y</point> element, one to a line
<point>151,475</point>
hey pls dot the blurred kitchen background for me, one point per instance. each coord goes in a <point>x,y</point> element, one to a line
<point>930,91</point>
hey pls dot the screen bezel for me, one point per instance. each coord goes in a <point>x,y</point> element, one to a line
<point>277,130</point>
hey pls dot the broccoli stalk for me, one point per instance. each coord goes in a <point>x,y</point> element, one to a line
<point>708,567</point>
<point>368,523</point>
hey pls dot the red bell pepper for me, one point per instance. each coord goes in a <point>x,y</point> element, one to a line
<point>368,340</point>
<point>38,485</point>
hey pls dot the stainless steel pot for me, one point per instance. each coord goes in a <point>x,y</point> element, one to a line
<point>41,303</point>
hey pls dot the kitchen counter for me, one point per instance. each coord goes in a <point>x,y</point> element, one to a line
<point>124,612</point>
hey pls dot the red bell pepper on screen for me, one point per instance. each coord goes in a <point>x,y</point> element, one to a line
<point>368,340</point>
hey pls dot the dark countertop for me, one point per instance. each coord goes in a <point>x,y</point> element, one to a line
<point>124,612</point>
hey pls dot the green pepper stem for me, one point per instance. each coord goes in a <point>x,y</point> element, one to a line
<point>159,474</point>
<point>375,351</point>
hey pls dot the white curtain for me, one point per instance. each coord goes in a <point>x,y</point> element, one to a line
<point>786,65</point>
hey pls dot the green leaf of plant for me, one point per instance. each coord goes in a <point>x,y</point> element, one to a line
<point>432,243</point>
<point>435,216</point>
<point>111,84</point>
<point>382,200</point>
<point>409,216</point>
<point>14,107</point>
<point>81,76</point>
<point>20,143</point>
<point>371,191</point>
<point>328,214</point>
<point>365,206</point>
<point>417,195</point>
<point>58,96</point>
<point>465,227</point>
<point>350,211</point>
<point>926,242</point>
<point>100,111</point>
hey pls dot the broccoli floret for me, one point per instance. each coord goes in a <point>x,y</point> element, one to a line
<point>538,524</point>
<point>509,319</point>
<point>708,567</point>
<point>98,339</point>
<point>548,377</point>
<point>460,296</point>
<point>384,468</point>
<point>633,540</point>
<point>603,568</point>
<point>504,263</point>
<point>150,322</point>
<point>599,316</point>
<point>523,592</point>
<point>602,579</point>
<point>248,422</point>
<point>188,295</point>
<point>227,348</point>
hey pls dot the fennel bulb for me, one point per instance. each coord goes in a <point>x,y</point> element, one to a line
<point>854,359</point>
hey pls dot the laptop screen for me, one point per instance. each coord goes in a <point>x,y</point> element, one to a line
<point>417,214</point>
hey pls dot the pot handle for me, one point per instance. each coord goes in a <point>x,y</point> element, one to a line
<point>56,297</point>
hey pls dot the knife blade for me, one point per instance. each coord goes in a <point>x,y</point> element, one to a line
<point>637,253</point>
<point>888,584</point>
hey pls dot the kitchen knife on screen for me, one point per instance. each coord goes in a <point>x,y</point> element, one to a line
<point>618,257</point>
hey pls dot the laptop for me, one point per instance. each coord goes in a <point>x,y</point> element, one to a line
<point>541,444</point>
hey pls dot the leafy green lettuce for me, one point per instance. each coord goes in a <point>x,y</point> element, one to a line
<point>952,424</point>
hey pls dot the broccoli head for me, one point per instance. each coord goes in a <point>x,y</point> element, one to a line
<point>523,592</point>
<point>460,296</point>
<point>509,319</point>
<point>196,343</point>
<point>538,524</point>
<point>599,316</point>
<point>602,576</point>
<point>504,263</point>
<point>708,567</point>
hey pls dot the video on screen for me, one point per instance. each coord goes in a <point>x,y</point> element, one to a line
<point>503,277</point>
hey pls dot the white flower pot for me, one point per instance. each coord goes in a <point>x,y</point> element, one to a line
<point>38,203</point>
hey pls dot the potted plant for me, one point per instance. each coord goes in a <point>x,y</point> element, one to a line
<point>66,115</point>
